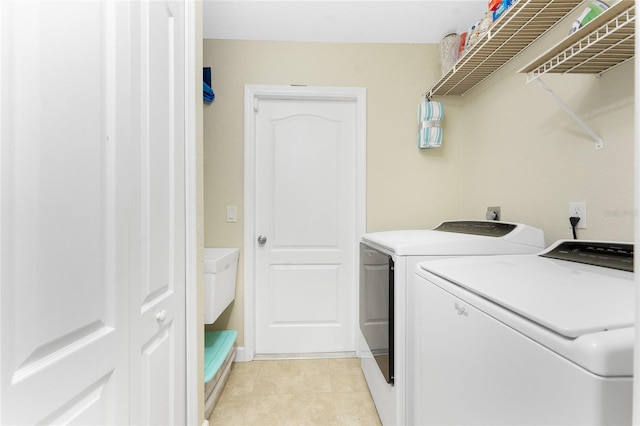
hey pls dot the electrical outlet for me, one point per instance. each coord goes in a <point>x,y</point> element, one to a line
<point>493,213</point>
<point>579,209</point>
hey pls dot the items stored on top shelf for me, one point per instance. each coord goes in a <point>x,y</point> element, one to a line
<point>606,42</point>
<point>478,30</point>
<point>493,4</point>
<point>448,49</point>
<point>523,23</point>
<point>589,14</point>
<point>500,8</point>
<point>453,46</point>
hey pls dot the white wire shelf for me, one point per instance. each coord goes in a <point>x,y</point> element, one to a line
<point>523,23</point>
<point>604,43</point>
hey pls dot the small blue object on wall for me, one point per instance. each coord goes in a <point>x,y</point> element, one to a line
<point>207,90</point>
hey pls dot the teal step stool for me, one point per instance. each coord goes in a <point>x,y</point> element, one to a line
<point>217,345</point>
<point>218,357</point>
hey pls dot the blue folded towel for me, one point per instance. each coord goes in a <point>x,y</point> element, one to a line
<point>428,111</point>
<point>207,90</point>
<point>429,137</point>
<point>430,115</point>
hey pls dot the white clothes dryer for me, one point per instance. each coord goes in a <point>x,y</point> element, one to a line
<point>531,339</point>
<point>387,260</point>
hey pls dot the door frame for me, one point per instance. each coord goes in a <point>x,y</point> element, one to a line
<point>252,96</point>
<point>193,269</point>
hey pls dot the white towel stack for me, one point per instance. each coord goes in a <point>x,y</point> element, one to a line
<point>430,115</point>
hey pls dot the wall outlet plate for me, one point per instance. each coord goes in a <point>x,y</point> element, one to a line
<point>493,213</point>
<point>578,208</point>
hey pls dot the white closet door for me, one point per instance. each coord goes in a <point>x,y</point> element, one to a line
<point>92,231</point>
<point>63,329</point>
<point>158,214</point>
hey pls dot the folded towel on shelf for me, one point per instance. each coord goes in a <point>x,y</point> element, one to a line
<point>207,90</point>
<point>430,115</point>
<point>207,93</point>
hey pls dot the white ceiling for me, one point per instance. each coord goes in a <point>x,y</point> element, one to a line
<point>348,21</point>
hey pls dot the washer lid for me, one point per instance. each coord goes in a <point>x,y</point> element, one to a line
<point>572,299</point>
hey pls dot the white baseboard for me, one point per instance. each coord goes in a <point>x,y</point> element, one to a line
<point>241,355</point>
<point>319,355</point>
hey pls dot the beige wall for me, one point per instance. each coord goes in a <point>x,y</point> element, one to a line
<point>407,188</point>
<point>505,143</point>
<point>524,153</point>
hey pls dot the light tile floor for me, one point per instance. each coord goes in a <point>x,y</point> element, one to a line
<point>296,392</point>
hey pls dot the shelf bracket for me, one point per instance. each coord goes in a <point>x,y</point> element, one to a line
<point>598,140</point>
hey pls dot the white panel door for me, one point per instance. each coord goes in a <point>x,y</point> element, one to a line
<point>63,247</point>
<point>305,208</point>
<point>158,215</point>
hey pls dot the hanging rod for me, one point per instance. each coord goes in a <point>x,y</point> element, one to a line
<point>598,140</point>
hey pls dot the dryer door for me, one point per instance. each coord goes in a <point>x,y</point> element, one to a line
<point>376,306</point>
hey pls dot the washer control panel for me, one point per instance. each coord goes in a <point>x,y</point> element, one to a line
<point>605,254</point>
<point>487,229</point>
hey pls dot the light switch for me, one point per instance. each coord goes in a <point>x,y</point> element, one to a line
<point>232,214</point>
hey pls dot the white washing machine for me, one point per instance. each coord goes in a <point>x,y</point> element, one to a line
<point>387,260</point>
<point>541,339</point>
